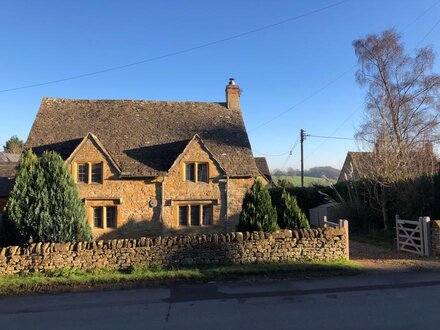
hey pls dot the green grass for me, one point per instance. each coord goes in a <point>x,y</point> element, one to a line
<point>76,279</point>
<point>308,181</point>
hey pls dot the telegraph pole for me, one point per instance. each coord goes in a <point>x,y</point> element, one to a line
<point>302,138</point>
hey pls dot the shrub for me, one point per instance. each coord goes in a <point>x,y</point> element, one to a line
<point>44,205</point>
<point>290,216</point>
<point>257,211</point>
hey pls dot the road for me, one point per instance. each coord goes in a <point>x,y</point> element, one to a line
<point>373,301</point>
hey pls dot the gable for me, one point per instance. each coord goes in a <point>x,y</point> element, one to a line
<point>196,151</point>
<point>144,137</point>
<point>90,149</point>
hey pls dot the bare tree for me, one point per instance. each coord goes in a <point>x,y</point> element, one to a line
<point>401,117</point>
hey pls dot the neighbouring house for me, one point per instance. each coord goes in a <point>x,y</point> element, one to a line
<point>357,164</point>
<point>152,167</point>
<point>263,169</point>
<point>352,170</point>
<point>8,165</point>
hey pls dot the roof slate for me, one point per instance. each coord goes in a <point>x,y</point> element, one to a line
<point>144,137</point>
<point>6,157</point>
<point>7,175</point>
<point>262,166</point>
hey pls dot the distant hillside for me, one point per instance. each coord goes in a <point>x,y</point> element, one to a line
<point>308,181</point>
<point>314,172</point>
<point>327,171</point>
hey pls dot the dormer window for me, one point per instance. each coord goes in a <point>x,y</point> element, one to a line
<point>89,173</point>
<point>196,172</point>
<point>97,173</point>
<point>83,173</point>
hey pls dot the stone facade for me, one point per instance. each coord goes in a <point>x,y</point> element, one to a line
<point>136,214</point>
<point>435,234</point>
<point>235,247</point>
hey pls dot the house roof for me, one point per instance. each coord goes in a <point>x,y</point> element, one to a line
<point>144,137</point>
<point>7,175</point>
<point>263,168</point>
<point>358,161</point>
<point>6,157</point>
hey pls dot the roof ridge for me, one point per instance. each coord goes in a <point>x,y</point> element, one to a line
<point>47,98</point>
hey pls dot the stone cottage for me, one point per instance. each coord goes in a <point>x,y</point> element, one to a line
<point>152,167</point>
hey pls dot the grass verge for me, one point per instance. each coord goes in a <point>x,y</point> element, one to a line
<point>76,279</point>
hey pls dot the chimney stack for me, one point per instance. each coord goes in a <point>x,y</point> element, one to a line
<point>232,95</point>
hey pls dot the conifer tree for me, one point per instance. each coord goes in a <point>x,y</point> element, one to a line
<point>257,210</point>
<point>290,215</point>
<point>44,205</point>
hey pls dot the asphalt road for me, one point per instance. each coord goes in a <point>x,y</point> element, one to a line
<point>380,301</point>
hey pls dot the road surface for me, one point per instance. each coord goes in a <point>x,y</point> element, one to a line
<point>373,301</point>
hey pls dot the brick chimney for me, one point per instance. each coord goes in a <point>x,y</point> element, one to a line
<point>232,95</point>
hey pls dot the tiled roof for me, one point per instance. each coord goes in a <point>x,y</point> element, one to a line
<point>7,175</point>
<point>263,167</point>
<point>6,157</point>
<point>144,137</point>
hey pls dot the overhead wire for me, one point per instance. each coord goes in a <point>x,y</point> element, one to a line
<point>328,84</point>
<point>187,50</point>
<point>415,48</point>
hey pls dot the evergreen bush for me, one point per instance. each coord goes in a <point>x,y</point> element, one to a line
<point>257,211</point>
<point>290,215</point>
<point>44,205</point>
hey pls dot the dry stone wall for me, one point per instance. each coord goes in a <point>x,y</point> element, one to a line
<point>236,248</point>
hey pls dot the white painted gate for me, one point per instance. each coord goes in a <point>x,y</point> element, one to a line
<point>414,236</point>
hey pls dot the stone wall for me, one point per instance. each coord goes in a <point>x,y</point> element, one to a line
<point>435,234</point>
<point>236,248</point>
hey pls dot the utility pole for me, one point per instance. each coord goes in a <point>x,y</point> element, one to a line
<point>302,138</point>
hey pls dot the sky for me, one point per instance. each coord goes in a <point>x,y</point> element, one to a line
<point>293,60</point>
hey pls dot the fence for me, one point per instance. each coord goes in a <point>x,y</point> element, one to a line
<point>414,236</point>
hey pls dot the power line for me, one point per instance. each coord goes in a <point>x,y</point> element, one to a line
<point>270,155</point>
<point>418,43</point>
<point>332,137</point>
<point>316,92</point>
<point>319,90</point>
<point>187,50</point>
<point>291,152</point>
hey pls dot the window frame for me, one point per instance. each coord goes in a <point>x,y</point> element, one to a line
<point>101,173</point>
<point>195,165</point>
<point>89,174</point>
<point>188,207</point>
<point>101,220</point>
<point>78,172</point>
<point>104,216</point>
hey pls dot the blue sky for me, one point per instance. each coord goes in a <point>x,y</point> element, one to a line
<point>284,70</point>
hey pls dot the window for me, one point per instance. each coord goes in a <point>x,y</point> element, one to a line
<point>207,215</point>
<point>202,172</point>
<point>89,173</point>
<point>196,172</point>
<point>97,173</point>
<point>199,215</point>
<point>111,216</point>
<point>183,215</point>
<point>97,217</point>
<point>195,215</point>
<point>105,217</point>
<point>190,172</point>
<point>83,173</point>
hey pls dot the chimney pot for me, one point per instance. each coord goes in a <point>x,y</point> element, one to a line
<point>232,95</point>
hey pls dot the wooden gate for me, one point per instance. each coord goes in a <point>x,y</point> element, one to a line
<point>414,236</point>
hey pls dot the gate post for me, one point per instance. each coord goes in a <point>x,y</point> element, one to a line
<point>426,234</point>
<point>344,224</point>
<point>397,233</point>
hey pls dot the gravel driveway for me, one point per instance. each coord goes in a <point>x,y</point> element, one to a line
<point>378,259</point>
